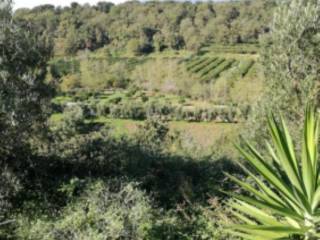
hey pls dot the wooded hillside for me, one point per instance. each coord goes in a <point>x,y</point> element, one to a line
<point>150,26</point>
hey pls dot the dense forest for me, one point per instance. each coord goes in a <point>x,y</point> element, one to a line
<point>152,26</point>
<point>127,122</point>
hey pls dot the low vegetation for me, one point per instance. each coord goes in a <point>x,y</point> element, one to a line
<point>119,121</point>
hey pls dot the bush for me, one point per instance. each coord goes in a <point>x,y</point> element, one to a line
<point>188,223</point>
<point>133,110</point>
<point>152,136</point>
<point>103,108</point>
<point>105,210</point>
<point>134,47</point>
<point>72,120</point>
<point>89,109</point>
<point>157,108</point>
<point>115,111</point>
<point>115,99</point>
<point>60,67</point>
<point>9,188</point>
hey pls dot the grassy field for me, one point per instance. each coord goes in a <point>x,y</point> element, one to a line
<point>217,137</point>
<point>205,135</point>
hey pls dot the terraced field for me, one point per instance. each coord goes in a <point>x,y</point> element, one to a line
<point>237,48</point>
<point>210,68</point>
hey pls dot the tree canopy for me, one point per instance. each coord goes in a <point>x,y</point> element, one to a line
<point>154,25</point>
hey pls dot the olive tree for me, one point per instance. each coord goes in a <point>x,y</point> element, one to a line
<point>290,60</point>
<point>23,90</point>
<point>23,97</point>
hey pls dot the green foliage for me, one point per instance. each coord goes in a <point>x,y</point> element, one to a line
<point>10,187</point>
<point>232,48</point>
<point>105,210</point>
<point>61,67</point>
<point>141,107</point>
<point>290,60</point>
<point>212,66</point>
<point>24,98</point>
<point>284,204</point>
<point>43,187</point>
<point>96,73</point>
<point>134,47</point>
<point>24,67</point>
<point>72,120</point>
<point>202,65</point>
<point>204,71</point>
<point>221,67</point>
<point>194,62</point>
<point>70,82</point>
<point>153,135</point>
<point>187,223</point>
<point>148,26</point>
<point>245,66</point>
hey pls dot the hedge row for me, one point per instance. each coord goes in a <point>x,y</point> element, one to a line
<point>193,64</point>
<point>222,67</point>
<point>132,110</point>
<point>211,67</point>
<point>197,68</point>
<point>239,48</point>
<point>138,110</point>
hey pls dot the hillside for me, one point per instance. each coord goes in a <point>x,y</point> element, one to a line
<point>142,28</point>
<point>119,121</point>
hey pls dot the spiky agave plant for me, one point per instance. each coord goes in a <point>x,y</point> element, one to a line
<point>283,202</point>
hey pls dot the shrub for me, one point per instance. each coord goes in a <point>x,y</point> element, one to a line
<point>134,47</point>
<point>133,110</point>
<point>115,99</point>
<point>115,111</point>
<point>10,186</point>
<point>103,108</point>
<point>72,120</point>
<point>82,95</point>
<point>158,108</point>
<point>89,109</point>
<point>152,135</point>
<point>61,67</point>
<point>186,223</point>
<point>120,81</point>
<point>105,210</point>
